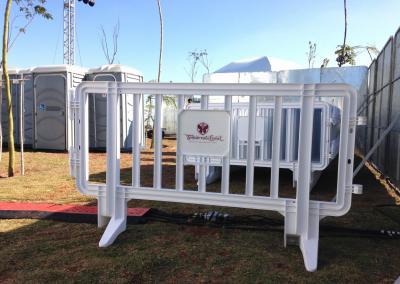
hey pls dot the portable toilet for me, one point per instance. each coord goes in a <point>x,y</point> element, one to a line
<point>52,86</point>
<point>98,106</point>
<point>15,97</point>
<point>21,82</point>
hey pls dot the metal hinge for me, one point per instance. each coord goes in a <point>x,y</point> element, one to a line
<point>74,162</point>
<point>74,105</point>
<point>355,188</point>
<point>353,122</point>
<point>361,120</point>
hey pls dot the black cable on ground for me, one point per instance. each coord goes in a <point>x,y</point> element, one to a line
<point>214,219</point>
<point>262,223</point>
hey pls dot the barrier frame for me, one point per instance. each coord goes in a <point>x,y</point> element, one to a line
<point>301,214</point>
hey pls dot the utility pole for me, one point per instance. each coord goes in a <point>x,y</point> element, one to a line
<point>69,32</point>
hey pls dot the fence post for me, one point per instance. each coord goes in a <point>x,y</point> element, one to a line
<point>136,137</point>
<point>116,203</point>
<point>307,223</point>
<point>179,157</point>
<point>251,146</point>
<point>276,147</point>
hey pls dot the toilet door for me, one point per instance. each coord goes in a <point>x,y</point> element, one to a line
<point>50,105</point>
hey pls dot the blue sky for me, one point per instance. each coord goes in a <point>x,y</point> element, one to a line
<point>228,29</point>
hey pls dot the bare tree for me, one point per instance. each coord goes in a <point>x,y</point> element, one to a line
<point>312,48</point>
<point>325,63</point>
<point>370,49</point>
<point>109,54</point>
<point>150,99</point>
<point>168,100</point>
<point>29,8</point>
<point>204,60</point>
<point>194,58</point>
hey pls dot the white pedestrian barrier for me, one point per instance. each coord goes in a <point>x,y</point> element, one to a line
<point>203,139</point>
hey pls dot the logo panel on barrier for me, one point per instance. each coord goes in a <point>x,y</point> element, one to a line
<point>204,133</point>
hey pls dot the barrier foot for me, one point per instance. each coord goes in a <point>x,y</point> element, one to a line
<point>115,227</point>
<point>309,248</point>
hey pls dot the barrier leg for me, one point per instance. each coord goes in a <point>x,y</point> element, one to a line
<point>306,240</point>
<point>117,223</point>
<point>304,222</point>
<point>309,242</point>
<point>115,202</point>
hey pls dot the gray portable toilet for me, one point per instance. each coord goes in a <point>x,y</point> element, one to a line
<point>18,77</point>
<point>52,85</point>
<point>98,106</point>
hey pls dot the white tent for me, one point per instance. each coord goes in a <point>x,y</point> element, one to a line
<point>258,64</point>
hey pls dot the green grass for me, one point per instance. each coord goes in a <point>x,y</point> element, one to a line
<point>46,251</point>
<point>49,251</point>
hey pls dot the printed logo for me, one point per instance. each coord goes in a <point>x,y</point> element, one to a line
<point>202,128</point>
<point>42,107</point>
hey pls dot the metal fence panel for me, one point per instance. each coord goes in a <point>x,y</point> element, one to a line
<point>383,123</point>
<point>370,105</point>
<point>387,62</point>
<point>394,151</point>
<point>396,62</point>
<point>383,110</point>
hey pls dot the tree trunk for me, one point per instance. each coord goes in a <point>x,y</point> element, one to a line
<point>1,122</point>
<point>345,31</point>
<point>11,149</point>
<point>159,59</point>
<point>161,41</point>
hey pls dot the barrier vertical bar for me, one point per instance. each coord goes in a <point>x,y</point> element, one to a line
<point>226,160</point>
<point>94,120</point>
<point>157,136</point>
<point>112,175</point>
<point>135,143</point>
<point>82,139</point>
<point>289,135</point>
<point>202,168</point>
<point>179,156</point>
<point>276,147</point>
<point>251,146</point>
<point>304,162</point>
